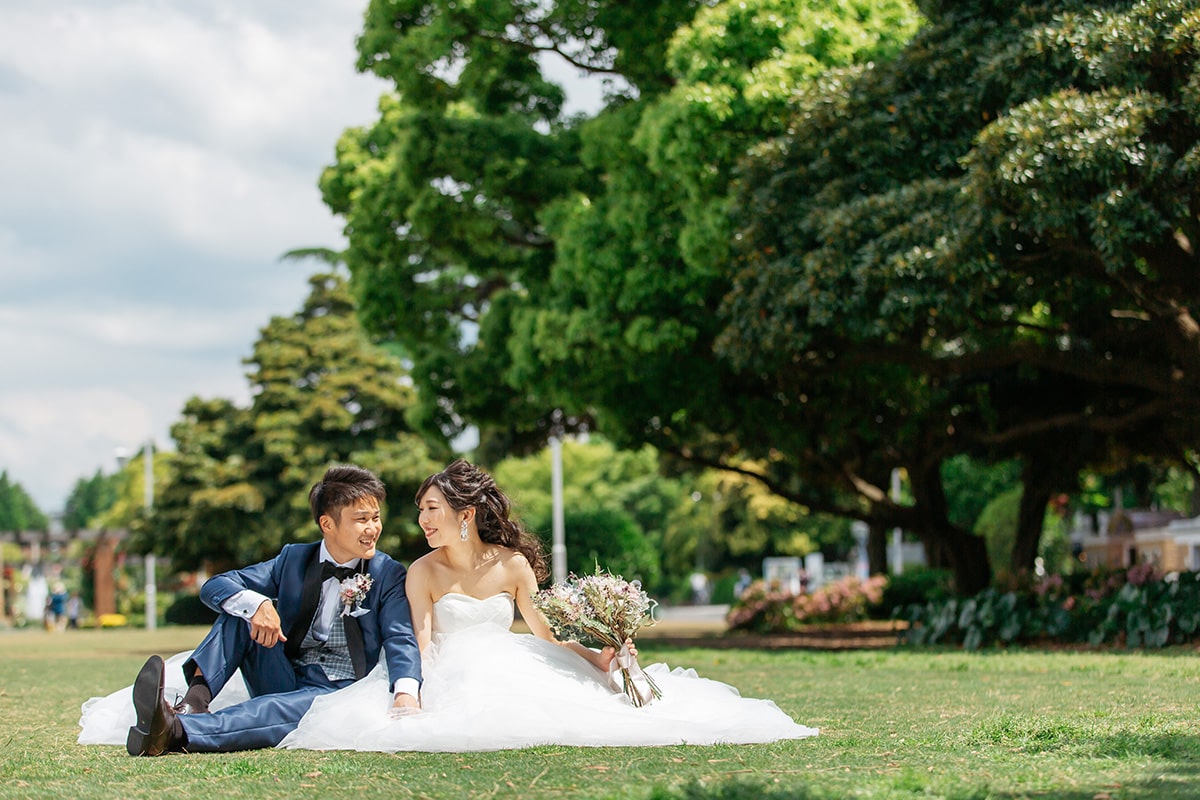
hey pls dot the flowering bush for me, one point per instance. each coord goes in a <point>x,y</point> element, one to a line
<point>765,608</point>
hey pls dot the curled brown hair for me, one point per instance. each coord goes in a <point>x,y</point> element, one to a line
<point>465,485</point>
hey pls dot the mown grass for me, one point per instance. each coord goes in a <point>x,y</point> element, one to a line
<point>895,724</point>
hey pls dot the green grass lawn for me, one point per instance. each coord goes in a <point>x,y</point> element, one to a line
<point>893,724</point>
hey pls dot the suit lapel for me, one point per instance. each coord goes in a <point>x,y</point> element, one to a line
<point>354,638</point>
<point>310,595</point>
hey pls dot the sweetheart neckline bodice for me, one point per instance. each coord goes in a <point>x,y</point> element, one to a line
<point>466,596</point>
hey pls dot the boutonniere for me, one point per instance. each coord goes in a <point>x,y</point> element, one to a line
<point>352,592</point>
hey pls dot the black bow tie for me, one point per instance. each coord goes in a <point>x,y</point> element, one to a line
<point>332,570</point>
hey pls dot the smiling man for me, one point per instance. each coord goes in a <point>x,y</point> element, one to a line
<point>315,618</point>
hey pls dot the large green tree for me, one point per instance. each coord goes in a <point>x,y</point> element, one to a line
<point>993,235</point>
<point>238,482</point>
<point>89,498</point>
<point>18,512</point>
<point>615,506</point>
<point>530,261</point>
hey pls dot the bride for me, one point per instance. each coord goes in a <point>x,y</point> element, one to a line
<point>487,688</point>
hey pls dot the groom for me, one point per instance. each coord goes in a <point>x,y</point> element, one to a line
<point>313,619</point>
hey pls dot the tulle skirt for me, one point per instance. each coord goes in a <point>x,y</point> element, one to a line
<point>486,688</point>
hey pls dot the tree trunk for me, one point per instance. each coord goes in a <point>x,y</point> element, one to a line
<point>968,558</point>
<point>1031,519</point>
<point>877,542</point>
<point>964,553</point>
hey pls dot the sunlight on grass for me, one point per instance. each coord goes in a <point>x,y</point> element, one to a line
<point>960,726</point>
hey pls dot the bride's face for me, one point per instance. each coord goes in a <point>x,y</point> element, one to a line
<point>437,518</point>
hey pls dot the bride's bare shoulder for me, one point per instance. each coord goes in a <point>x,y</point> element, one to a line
<point>425,564</point>
<point>514,561</point>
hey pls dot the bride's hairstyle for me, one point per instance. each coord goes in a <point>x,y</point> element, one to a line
<point>465,485</point>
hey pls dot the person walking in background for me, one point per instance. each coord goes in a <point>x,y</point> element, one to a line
<point>56,608</point>
<point>74,607</point>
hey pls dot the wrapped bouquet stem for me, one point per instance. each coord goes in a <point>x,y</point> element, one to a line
<point>607,610</point>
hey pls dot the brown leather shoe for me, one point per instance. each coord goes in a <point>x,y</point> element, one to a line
<point>157,730</point>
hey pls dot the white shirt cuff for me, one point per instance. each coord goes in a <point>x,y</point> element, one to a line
<point>244,603</point>
<point>406,686</point>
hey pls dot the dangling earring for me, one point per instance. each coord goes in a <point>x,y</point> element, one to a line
<point>462,531</point>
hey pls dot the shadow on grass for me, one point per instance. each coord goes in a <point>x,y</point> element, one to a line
<point>742,789</point>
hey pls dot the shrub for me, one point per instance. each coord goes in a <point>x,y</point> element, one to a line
<point>914,586</point>
<point>189,609</point>
<point>1137,607</point>
<point>764,608</point>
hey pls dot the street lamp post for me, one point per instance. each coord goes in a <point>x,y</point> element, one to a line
<point>151,558</point>
<point>897,533</point>
<point>558,548</point>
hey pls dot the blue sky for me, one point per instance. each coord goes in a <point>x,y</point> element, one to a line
<point>156,158</point>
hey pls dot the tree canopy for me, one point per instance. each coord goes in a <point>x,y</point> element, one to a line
<point>237,485</point>
<point>531,261</point>
<point>994,231</point>
<point>18,512</point>
<point>972,239</point>
<point>89,498</point>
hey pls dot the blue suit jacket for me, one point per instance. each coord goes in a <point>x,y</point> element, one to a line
<point>387,625</point>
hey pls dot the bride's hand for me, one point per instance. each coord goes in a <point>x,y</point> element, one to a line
<point>607,654</point>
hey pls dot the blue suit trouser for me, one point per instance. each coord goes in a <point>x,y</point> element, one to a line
<point>280,691</point>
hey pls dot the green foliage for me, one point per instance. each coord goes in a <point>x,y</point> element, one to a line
<point>614,506</point>
<point>998,527</point>
<point>1138,608</point>
<point>971,485</point>
<point>89,498</point>
<point>992,231</point>
<point>584,258</point>
<point>18,512</point>
<point>915,586</point>
<point>718,519</point>
<point>730,519</point>
<point>236,489</point>
<point>997,524</point>
<point>189,609</point>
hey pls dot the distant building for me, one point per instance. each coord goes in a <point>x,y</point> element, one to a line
<point>1135,536</point>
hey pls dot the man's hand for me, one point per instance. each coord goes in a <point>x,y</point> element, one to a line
<point>403,705</point>
<point>264,626</point>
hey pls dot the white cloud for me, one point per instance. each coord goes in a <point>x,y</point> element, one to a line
<point>156,159</point>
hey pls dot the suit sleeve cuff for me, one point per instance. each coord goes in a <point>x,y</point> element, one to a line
<point>406,686</point>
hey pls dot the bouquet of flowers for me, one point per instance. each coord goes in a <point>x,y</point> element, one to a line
<point>608,610</point>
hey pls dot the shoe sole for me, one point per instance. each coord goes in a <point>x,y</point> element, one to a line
<point>147,691</point>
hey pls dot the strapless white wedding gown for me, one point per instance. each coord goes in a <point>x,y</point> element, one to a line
<point>487,688</point>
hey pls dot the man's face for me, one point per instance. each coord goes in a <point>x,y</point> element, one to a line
<point>355,531</point>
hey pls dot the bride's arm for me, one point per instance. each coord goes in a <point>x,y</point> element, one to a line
<point>526,584</point>
<point>420,604</point>
<point>420,607</point>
